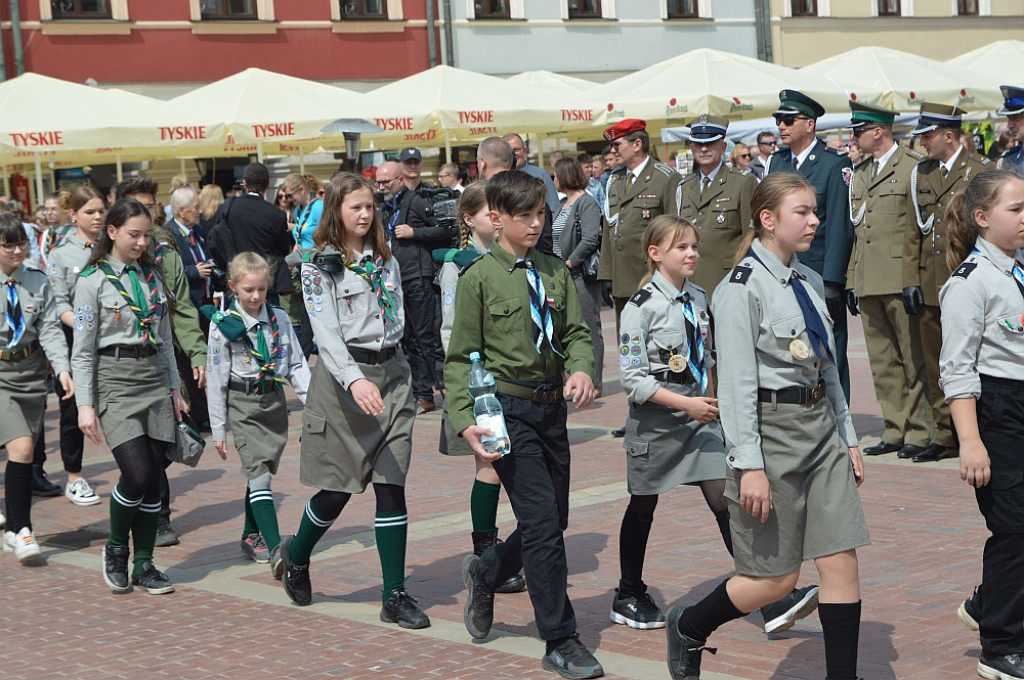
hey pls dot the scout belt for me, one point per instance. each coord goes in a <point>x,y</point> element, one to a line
<point>365,356</point>
<point>682,378</point>
<point>20,353</point>
<point>128,351</point>
<point>250,385</point>
<point>804,396</point>
<point>537,391</point>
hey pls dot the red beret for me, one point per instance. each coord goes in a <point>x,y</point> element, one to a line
<point>623,128</point>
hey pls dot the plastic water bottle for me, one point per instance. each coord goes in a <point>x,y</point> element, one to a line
<point>487,408</point>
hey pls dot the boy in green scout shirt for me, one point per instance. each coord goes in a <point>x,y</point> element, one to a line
<point>518,308</point>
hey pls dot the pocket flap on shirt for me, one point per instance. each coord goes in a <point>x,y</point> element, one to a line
<point>313,423</point>
<point>790,327</point>
<point>505,307</point>
<point>1012,323</point>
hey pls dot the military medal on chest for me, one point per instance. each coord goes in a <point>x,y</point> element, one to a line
<point>799,349</point>
<point>676,363</point>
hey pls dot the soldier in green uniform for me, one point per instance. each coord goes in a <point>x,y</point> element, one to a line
<point>716,198</point>
<point>878,209</point>
<point>933,183</point>
<point>830,173</point>
<point>645,190</point>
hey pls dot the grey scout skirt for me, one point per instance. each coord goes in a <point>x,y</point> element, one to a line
<point>343,449</point>
<point>133,400</point>
<point>259,428</point>
<point>816,506</point>
<point>22,397</point>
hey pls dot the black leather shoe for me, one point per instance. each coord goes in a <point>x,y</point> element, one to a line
<point>478,613</point>
<point>619,433</point>
<point>683,651</point>
<point>1006,667</point>
<point>295,577</point>
<point>909,451</point>
<point>880,448</point>
<point>41,486</point>
<point>935,453</point>
<point>401,608</point>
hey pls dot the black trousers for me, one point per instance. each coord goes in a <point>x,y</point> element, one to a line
<point>422,338</point>
<point>1001,501</point>
<point>536,478</point>
<point>72,441</point>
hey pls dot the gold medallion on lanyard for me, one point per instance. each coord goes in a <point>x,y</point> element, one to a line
<point>799,349</point>
<point>676,362</point>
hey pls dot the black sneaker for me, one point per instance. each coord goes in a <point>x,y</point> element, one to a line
<point>572,659</point>
<point>683,651</point>
<point>478,614</point>
<point>513,584</point>
<point>781,615</point>
<point>153,580</point>
<point>969,612</point>
<point>165,536</point>
<point>115,568</point>
<point>41,486</point>
<point>1009,667</point>
<point>401,608</point>
<point>637,612</point>
<point>295,577</point>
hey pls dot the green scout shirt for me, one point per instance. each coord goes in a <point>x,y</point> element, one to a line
<point>492,316</point>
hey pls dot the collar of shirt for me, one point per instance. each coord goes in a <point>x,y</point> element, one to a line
<point>251,321</point>
<point>17,274</point>
<point>799,158</point>
<point>506,259</point>
<point>714,173</point>
<point>779,271</point>
<point>254,193</point>
<point>639,169</point>
<point>78,240</point>
<point>880,162</point>
<point>948,165</point>
<point>665,287</point>
<point>997,257</point>
<point>119,267</point>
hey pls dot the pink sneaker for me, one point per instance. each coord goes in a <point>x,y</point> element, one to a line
<point>255,548</point>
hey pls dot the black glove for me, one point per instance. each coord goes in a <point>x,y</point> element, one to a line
<point>851,302</point>
<point>913,300</point>
<point>835,299</point>
<point>606,293</point>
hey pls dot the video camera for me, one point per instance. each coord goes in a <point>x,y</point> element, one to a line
<point>442,209</point>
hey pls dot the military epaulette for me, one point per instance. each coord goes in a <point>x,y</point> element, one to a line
<point>666,170</point>
<point>965,269</point>
<point>1013,150</point>
<point>985,160</point>
<point>915,154</point>
<point>740,274</point>
<point>88,271</point>
<point>466,268</point>
<point>640,297</point>
<point>691,177</point>
<point>835,152</point>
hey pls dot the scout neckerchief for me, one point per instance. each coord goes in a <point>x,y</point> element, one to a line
<point>15,320</point>
<point>372,271</point>
<point>1018,272</point>
<point>695,342</point>
<point>266,381</point>
<point>145,312</point>
<point>815,328</point>
<point>539,310</point>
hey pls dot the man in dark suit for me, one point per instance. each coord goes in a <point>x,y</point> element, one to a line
<point>191,238</point>
<point>831,174</point>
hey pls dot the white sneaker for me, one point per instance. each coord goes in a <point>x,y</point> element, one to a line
<point>80,493</point>
<point>3,520</point>
<point>23,544</point>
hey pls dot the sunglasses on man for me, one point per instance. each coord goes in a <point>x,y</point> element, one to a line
<point>788,121</point>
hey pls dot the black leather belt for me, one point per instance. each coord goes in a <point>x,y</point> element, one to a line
<point>250,385</point>
<point>128,351</point>
<point>365,356</point>
<point>537,391</point>
<point>681,378</point>
<point>20,353</point>
<point>803,396</point>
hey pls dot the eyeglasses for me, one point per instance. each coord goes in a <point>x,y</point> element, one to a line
<point>9,248</point>
<point>789,120</point>
<point>517,149</point>
<point>744,155</point>
<point>771,143</point>
<point>857,132</point>
<point>385,182</point>
<point>619,143</point>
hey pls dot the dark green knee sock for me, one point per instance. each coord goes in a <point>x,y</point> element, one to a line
<point>261,504</point>
<point>311,529</point>
<point>250,519</point>
<point>144,534</point>
<point>483,505</point>
<point>122,512</point>
<point>392,532</point>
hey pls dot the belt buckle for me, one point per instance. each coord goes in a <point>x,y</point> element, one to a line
<point>382,356</point>
<point>544,394</point>
<point>816,393</point>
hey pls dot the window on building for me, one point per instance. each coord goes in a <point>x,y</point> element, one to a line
<point>804,8</point>
<point>228,9</point>
<point>585,9</point>
<point>492,9</point>
<point>969,7</point>
<point>80,9</point>
<point>683,9</point>
<point>364,9</point>
<point>889,8</point>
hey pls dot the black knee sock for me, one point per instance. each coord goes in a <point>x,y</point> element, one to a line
<point>703,618</point>
<point>722,517</point>
<point>840,626</point>
<point>18,491</point>
<point>633,535</point>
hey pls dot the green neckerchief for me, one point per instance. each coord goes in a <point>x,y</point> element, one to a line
<point>267,381</point>
<point>145,313</point>
<point>372,271</point>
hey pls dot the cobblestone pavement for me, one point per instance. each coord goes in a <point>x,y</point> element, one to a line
<point>229,619</point>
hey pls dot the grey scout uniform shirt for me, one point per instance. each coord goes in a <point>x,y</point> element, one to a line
<point>39,311</point>
<point>757,316</point>
<point>343,312</point>
<point>982,322</point>
<point>63,265</point>
<point>228,360</point>
<point>653,327</point>
<point>97,308</point>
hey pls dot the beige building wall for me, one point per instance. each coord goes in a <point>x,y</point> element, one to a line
<point>931,30</point>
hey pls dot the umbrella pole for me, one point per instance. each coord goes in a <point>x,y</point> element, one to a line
<point>39,178</point>
<point>7,183</point>
<point>447,147</point>
<point>120,170</point>
<point>302,162</point>
<point>181,167</point>
<point>259,151</point>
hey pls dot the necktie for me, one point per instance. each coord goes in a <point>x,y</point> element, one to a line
<point>197,256</point>
<point>695,342</point>
<point>944,172</point>
<point>630,177</point>
<point>1018,274</point>
<point>540,313</point>
<point>704,184</point>
<point>815,328</point>
<point>15,321</point>
<point>875,169</point>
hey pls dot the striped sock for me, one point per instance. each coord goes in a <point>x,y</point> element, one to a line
<point>392,532</point>
<point>311,529</point>
<point>144,528</point>
<point>262,504</point>
<point>122,512</point>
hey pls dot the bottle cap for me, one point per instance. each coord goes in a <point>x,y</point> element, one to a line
<point>474,356</point>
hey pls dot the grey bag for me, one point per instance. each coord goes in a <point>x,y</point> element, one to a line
<point>188,442</point>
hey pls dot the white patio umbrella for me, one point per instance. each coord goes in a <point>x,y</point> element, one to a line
<point>1002,60</point>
